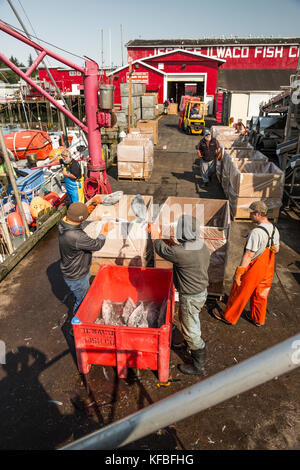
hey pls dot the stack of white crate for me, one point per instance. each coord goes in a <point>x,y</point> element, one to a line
<point>137,91</point>
<point>149,106</point>
<point>135,157</point>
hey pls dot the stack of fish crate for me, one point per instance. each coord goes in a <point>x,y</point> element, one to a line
<point>149,106</point>
<point>135,157</point>
<point>246,175</point>
<point>137,91</point>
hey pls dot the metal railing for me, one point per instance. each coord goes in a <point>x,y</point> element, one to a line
<point>250,373</point>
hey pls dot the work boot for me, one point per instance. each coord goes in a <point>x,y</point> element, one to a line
<point>198,365</point>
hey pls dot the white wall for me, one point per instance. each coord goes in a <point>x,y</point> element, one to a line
<point>239,106</point>
<point>256,99</point>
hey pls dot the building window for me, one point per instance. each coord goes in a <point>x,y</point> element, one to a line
<point>72,73</point>
<point>161,66</point>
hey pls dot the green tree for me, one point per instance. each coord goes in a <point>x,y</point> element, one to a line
<point>9,75</point>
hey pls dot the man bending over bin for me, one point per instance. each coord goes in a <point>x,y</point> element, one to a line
<point>253,278</point>
<point>190,258</point>
<point>76,249</point>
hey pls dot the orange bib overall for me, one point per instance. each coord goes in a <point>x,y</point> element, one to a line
<point>255,285</point>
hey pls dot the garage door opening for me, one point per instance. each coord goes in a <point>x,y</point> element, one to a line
<point>177,89</point>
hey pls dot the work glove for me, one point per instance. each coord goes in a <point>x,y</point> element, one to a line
<point>240,270</point>
<point>107,227</point>
<point>153,231</point>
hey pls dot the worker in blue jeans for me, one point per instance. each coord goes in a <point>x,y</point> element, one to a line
<point>190,258</point>
<point>76,249</point>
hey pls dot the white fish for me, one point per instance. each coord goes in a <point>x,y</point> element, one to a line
<point>129,307</point>
<point>137,316</point>
<point>107,311</point>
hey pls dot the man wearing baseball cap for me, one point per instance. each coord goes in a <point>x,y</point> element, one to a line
<point>76,249</point>
<point>208,151</point>
<point>253,278</point>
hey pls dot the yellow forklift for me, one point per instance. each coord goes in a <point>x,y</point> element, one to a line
<point>192,117</point>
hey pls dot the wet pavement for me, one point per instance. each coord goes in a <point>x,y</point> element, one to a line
<point>46,403</point>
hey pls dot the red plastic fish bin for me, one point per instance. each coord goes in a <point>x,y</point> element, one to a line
<point>123,346</point>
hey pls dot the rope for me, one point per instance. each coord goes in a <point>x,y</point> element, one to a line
<point>93,186</point>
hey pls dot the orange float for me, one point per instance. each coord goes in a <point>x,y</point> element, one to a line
<point>52,197</point>
<point>15,224</point>
<point>37,205</point>
<point>26,209</point>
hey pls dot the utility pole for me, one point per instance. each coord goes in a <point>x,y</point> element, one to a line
<point>46,67</point>
<point>122,45</point>
<point>129,94</point>
<point>102,55</point>
<point>13,183</point>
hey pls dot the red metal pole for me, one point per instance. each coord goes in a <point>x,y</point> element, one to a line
<point>43,92</point>
<point>90,74</point>
<point>91,108</point>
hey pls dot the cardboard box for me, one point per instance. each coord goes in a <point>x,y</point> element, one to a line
<point>255,179</point>
<point>244,156</point>
<point>135,170</point>
<point>149,127</point>
<point>239,207</point>
<point>136,135</point>
<point>134,150</point>
<point>214,218</point>
<point>173,108</point>
<point>127,245</point>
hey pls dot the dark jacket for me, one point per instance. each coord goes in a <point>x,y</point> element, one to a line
<point>76,250</point>
<point>73,167</point>
<point>208,152</point>
<point>190,259</point>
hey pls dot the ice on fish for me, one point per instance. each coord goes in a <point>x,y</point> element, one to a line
<point>137,316</point>
<point>129,307</point>
<point>107,311</point>
<point>143,314</point>
<point>152,313</point>
<point>162,313</point>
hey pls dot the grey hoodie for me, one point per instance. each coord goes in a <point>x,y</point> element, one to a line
<point>190,258</point>
<point>76,250</point>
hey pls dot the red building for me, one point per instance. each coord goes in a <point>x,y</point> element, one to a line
<point>169,74</point>
<point>251,69</point>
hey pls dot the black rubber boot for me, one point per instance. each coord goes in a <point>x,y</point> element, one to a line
<point>198,365</point>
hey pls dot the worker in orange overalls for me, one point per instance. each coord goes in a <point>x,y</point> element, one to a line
<point>253,278</point>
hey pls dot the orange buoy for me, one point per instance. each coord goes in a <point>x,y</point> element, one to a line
<point>26,209</point>
<point>52,198</point>
<point>38,205</point>
<point>15,224</point>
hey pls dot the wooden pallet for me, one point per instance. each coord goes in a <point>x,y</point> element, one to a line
<point>145,178</point>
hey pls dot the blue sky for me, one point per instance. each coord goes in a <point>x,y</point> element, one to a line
<point>75,25</point>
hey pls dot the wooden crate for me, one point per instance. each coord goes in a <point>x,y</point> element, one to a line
<point>215,232</point>
<point>173,108</point>
<point>240,212</point>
